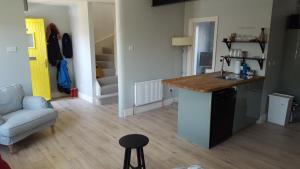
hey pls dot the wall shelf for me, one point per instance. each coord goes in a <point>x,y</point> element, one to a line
<point>260,60</point>
<point>262,44</point>
<point>261,41</point>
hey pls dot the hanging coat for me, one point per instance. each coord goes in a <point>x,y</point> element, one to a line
<point>54,54</point>
<point>63,79</point>
<point>52,28</point>
<point>67,46</point>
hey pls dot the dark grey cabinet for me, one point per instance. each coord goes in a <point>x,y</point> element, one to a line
<point>222,116</point>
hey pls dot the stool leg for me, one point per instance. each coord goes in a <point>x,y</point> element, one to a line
<point>143,158</point>
<point>139,157</point>
<point>52,129</point>
<point>127,158</point>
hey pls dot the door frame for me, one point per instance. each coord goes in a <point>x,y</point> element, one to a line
<point>191,53</point>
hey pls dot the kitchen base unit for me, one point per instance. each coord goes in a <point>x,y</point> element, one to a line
<point>211,110</point>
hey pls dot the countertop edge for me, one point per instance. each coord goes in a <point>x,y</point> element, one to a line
<point>172,83</point>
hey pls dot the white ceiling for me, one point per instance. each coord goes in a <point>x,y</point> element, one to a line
<point>68,2</point>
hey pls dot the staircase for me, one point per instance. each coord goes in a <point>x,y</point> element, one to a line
<point>109,82</point>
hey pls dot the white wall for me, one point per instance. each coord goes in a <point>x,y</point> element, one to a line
<point>59,15</point>
<point>149,30</point>
<point>14,67</point>
<point>104,19</point>
<point>239,16</point>
<point>245,16</point>
<point>84,51</point>
<point>281,9</point>
<point>103,15</point>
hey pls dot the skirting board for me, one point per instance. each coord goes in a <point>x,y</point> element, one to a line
<point>86,97</point>
<point>262,119</point>
<point>141,109</point>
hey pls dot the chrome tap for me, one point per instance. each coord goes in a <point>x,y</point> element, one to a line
<point>222,69</point>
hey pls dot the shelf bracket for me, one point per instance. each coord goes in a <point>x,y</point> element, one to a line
<point>262,46</point>
<point>227,59</point>
<point>261,63</point>
<point>228,44</point>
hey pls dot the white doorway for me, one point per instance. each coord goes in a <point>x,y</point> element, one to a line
<point>104,18</point>
<point>201,57</point>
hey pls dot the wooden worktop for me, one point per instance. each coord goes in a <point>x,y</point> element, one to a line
<point>207,82</point>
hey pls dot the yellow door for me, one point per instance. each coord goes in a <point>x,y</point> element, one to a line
<point>38,58</point>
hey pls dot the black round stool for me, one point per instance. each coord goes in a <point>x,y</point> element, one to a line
<point>134,141</point>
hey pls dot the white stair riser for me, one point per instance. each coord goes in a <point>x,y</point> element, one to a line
<point>105,64</point>
<point>108,80</point>
<point>107,50</point>
<point>109,89</point>
<point>108,83</point>
<point>109,72</point>
<point>109,100</point>
<point>105,57</point>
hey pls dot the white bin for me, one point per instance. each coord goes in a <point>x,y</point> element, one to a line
<point>279,108</point>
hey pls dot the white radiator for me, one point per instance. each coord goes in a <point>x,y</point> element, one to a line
<point>148,92</point>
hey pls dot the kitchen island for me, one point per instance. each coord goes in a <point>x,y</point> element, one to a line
<point>211,108</point>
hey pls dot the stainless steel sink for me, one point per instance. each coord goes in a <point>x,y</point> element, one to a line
<point>230,77</point>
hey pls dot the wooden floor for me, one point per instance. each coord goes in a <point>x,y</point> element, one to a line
<point>87,138</point>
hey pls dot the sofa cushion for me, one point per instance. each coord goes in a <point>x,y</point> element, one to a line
<point>11,98</point>
<point>24,120</point>
<point>34,103</point>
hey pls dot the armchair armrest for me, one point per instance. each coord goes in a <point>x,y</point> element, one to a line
<point>2,120</point>
<point>34,103</point>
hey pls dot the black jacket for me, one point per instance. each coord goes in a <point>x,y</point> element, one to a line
<point>67,46</point>
<point>54,54</point>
